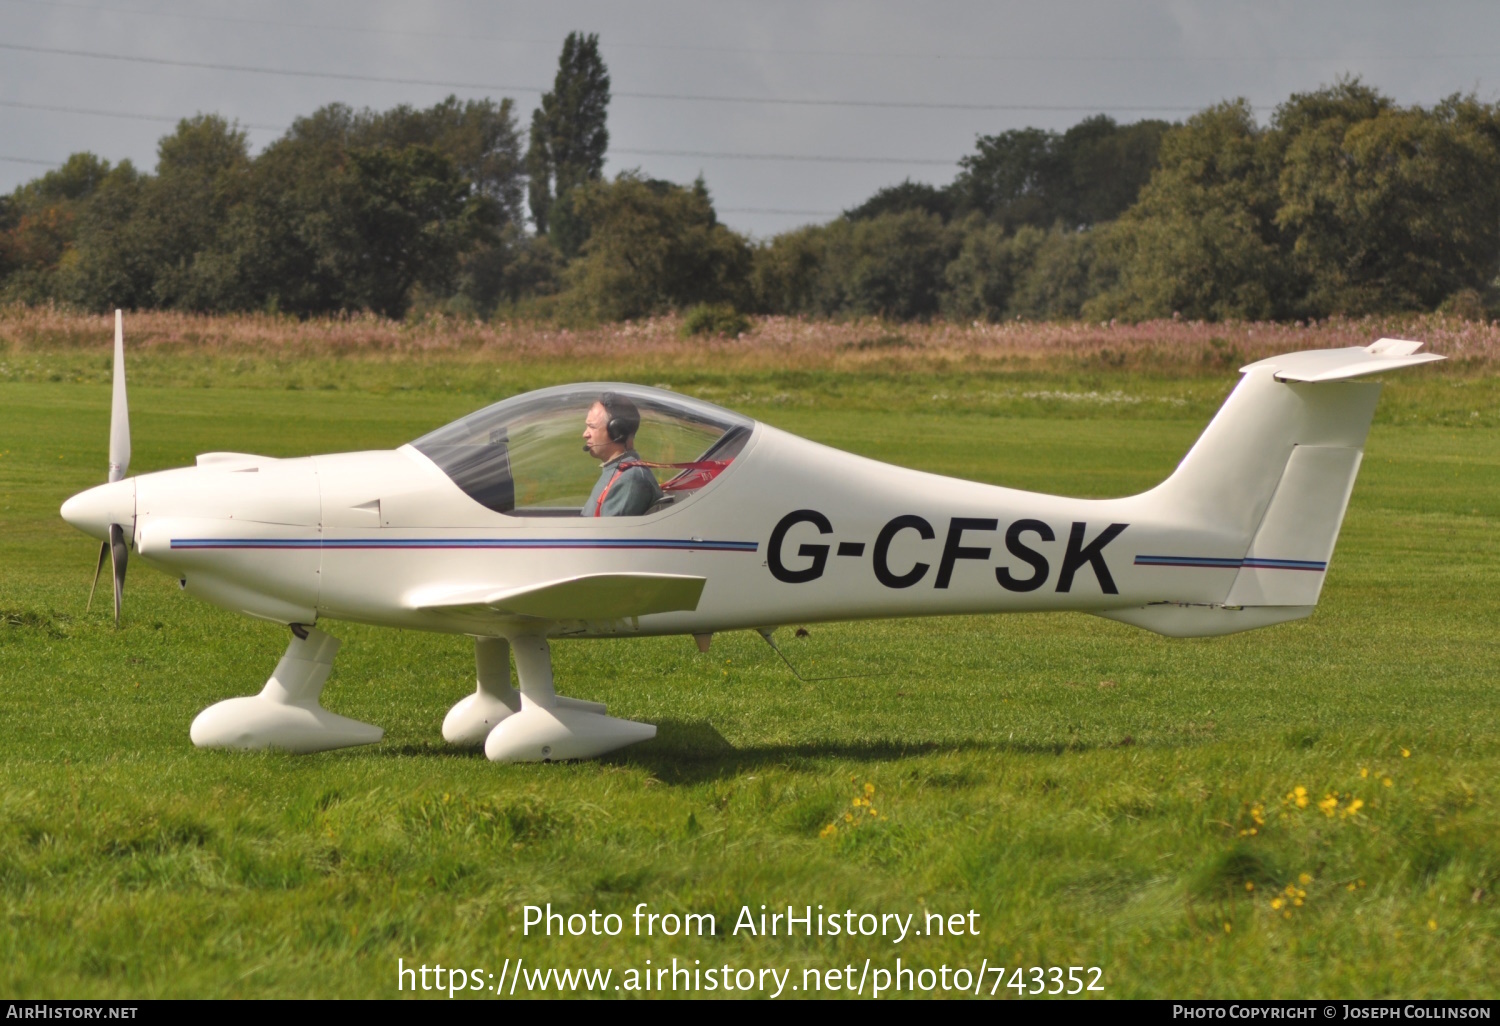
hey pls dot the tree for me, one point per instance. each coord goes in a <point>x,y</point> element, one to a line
<point>568,138</point>
<point>39,226</point>
<point>399,218</point>
<point>108,265</point>
<point>479,136</point>
<point>1087,175</point>
<point>786,273</point>
<point>355,209</point>
<point>201,174</point>
<point>979,281</point>
<point>891,266</point>
<point>909,195</point>
<point>1388,208</point>
<point>894,265</point>
<point>653,246</point>
<point>482,140</point>
<point>1202,239</point>
<point>1100,168</point>
<point>1007,179</point>
<point>1035,274</point>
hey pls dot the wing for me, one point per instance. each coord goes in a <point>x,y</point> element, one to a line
<point>585,597</point>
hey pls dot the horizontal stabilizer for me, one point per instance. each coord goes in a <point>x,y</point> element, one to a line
<point>586,597</point>
<point>1340,364</point>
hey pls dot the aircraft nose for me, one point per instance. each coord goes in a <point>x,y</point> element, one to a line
<point>94,510</point>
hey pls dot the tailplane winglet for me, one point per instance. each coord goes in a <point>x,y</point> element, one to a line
<point>1341,364</point>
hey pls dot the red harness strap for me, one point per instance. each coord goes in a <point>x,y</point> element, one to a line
<point>694,475</point>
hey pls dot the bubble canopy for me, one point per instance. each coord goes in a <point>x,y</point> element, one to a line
<point>524,456</point>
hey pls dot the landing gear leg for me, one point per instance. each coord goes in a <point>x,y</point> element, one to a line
<point>286,713</point>
<point>470,721</point>
<point>550,726</point>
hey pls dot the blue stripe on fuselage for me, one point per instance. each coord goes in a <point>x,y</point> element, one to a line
<point>463,543</point>
<point>1218,563</point>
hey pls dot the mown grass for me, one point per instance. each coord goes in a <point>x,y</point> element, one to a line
<point>1090,789</point>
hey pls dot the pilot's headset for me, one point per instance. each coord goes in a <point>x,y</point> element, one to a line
<point>624,420</point>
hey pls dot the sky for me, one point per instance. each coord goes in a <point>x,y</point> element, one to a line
<point>792,111</point>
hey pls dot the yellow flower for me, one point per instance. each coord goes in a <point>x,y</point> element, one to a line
<point>829,830</point>
<point>1287,914</point>
<point>872,812</point>
<point>1328,805</point>
<point>1304,879</point>
<point>1431,923</point>
<point>869,788</point>
<point>1354,807</point>
<point>1387,782</point>
<point>1298,796</point>
<point>858,802</point>
<point>1249,885</point>
<point>1406,754</point>
<point>848,817</point>
<point>1364,771</point>
<point>1277,902</point>
<point>1228,928</point>
<point>1349,887</point>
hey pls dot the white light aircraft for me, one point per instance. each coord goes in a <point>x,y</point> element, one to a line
<point>476,529</point>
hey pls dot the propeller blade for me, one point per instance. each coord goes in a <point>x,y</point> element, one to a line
<point>103,555</point>
<point>119,555</point>
<point>119,413</point>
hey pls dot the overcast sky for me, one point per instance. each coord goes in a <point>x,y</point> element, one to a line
<point>892,88</point>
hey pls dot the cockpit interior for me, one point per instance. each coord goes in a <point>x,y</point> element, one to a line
<point>523,456</point>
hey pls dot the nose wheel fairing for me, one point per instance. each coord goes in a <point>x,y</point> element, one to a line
<point>286,713</point>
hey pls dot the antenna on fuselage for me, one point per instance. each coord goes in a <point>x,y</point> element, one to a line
<point>767,632</point>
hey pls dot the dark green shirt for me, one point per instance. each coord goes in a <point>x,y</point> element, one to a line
<point>630,495</point>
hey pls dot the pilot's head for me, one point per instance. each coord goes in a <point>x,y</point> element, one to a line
<point>610,427</point>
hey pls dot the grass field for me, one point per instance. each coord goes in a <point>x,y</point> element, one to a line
<point>1181,814</point>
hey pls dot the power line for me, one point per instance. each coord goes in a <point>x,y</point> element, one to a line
<point>704,154</point>
<point>163,118</point>
<point>253,70</point>
<point>711,155</point>
<point>32,160</point>
<point>619,94</point>
<point>775,51</point>
<point>784,213</point>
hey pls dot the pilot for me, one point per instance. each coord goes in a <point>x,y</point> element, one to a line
<point>609,436</point>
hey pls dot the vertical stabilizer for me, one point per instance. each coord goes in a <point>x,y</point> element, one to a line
<point>1227,480</point>
<point>1271,477</point>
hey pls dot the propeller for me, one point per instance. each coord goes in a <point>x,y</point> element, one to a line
<point>116,549</point>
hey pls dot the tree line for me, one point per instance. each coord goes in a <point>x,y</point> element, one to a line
<point>1344,203</point>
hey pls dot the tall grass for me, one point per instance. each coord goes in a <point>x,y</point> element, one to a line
<point>787,343</point>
